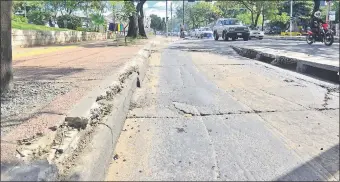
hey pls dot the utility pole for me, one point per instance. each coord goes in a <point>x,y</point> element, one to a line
<point>166,18</point>
<point>291,18</point>
<point>172,23</point>
<point>183,14</point>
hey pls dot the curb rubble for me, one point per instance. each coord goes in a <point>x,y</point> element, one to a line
<point>81,148</point>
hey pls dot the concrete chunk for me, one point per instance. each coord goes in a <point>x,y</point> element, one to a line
<point>77,122</point>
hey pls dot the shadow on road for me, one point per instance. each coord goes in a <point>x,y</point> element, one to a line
<point>34,73</point>
<point>211,46</point>
<point>329,160</point>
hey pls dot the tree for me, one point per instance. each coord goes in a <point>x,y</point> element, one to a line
<point>140,13</point>
<point>316,7</point>
<point>6,45</point>
<point>133,19</point>
<point>269,10</point>
<point>122,12</point>
<point>302,11</point>
<point>156,23</point>
<point>227,8</point>
<point>97,20</point>
<point>255,8</point>
<point>199,13</point>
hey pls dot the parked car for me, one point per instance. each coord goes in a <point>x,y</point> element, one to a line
<point>230,28</point>
<point>273,30</point>
<point>256,33</point>
<point>197,32</point>
<point>205,32</point>
<point>192,33</point>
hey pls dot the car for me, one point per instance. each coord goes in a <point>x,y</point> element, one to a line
<point>205,32</point>
<point>230,28</point>
<point>256,33</point>
<point>192,33</point>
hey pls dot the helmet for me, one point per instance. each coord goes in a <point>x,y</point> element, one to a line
<point>317,14</point>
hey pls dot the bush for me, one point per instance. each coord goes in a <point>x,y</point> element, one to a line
<point>72,22</point>
<point>20,19</point>
<point>81,29</point>
<point>38,17</point>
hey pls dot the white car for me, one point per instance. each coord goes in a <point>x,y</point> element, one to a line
<point>197,32</point>
<point>256,33</point>
<point>205,32</point>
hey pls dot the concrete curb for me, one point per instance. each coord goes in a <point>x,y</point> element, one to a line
<point>299,64</point>
<point>94,161</point>
<point>296,38</point>
<point>81,148</point>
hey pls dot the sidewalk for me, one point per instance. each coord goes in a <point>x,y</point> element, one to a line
<point>48,81</point>
<point>297,38</point>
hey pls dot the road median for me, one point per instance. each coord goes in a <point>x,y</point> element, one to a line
<point>296,38</point>
<point>300,62</point>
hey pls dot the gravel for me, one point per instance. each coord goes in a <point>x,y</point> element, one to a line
<point>26,98</point>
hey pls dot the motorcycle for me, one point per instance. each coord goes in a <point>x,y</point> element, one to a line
<point>325,35</point>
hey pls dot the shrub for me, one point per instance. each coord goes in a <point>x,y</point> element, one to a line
<point>38,17</point>
<point>72,22</point>
<point>20,19</point>
<point>81,29</point>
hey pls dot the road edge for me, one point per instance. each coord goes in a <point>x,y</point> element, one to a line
<point>94,162</point>
<point>89,143</point>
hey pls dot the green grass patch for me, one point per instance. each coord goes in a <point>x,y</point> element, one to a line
<point>26,26</point>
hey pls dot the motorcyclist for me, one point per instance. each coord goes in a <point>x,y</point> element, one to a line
<point>315,24</point>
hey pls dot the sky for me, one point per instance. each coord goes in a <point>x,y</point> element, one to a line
<point>158,7</point>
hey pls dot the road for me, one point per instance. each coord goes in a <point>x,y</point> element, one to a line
<point>205,113</point>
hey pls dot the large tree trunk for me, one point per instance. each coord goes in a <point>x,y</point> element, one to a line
<point>257,19</point>
<point>140,12</point>
<point>316,6</point>
<point>133,27</point>
<point>6,45</point>
<point>252,18</point>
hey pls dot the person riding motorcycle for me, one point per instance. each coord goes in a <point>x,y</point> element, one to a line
<point>316,21</point>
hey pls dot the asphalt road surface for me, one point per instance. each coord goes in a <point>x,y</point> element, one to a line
<point>205,113</point>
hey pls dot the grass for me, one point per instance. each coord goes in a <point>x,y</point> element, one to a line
<point>26,26</point>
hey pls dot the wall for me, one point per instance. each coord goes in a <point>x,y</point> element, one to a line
<point>28,38</point>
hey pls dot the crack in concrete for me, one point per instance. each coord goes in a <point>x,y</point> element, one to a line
<point>283,98</point>
<point>231,64</point>
<point>325,109</point>
<point>152,117</point>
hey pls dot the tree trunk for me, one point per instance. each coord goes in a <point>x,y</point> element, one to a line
<point>316,6</point>
<point>6,46</point>
<point>262,20</point>
<point>140,12</point>
<point>252,18</point>
<point>133,27</point>
<point>257,19</point>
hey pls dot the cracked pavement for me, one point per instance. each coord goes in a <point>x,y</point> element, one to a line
<point>205,113</point>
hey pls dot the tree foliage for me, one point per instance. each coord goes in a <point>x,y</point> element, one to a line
<point>156,23</point>
<point>72,22</point>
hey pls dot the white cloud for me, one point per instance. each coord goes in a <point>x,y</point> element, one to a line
<point>158,12</point>
<point>158,8</point>
<point>146,6</point>
<point>160,4</point>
